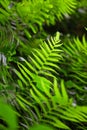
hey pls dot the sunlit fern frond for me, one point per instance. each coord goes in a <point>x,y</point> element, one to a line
<point>53,108</point>
<point>44,61</point>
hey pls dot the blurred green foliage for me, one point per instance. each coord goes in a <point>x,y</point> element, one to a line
<point>43,64</point>
<point>8,119</point>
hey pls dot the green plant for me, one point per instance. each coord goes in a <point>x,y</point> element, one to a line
<point>52,107</point>
<point>22,18</point>
<point>47,102</point>
<point>44,79</point>
<point>42,62</point>
<point>75,53</point>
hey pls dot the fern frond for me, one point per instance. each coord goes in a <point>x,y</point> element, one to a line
<point>22,16</point>
<point>43,61</point>
<point>28,16</point>
<point>61,8</point>
<point>55,107</point>
<point>76,52</point>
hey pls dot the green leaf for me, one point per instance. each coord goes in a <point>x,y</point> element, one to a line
<point>39,80</point>
<point>8,115</point>
<point>41,127</point>
<point>64,93</point>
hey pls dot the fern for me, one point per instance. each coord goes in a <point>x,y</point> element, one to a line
<point>28,17</point>
<point>34,90</point>
<point>76,54</point>
<point>42,62</point>
<point>24,15</point>
<point>46,103</point>
<point>54,108</point>
<point>62,7</point>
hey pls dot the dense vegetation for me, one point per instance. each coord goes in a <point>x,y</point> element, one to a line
<point>43,64</point>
